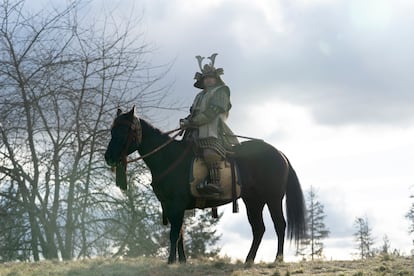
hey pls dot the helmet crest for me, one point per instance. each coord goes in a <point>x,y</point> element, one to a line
<point>208,70</point>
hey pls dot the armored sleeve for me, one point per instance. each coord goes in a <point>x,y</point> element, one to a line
<point>218,104</point>
<point>200,119</point>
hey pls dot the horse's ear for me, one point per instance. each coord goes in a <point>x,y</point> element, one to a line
<point>132,112</point>
<point>118,112</point>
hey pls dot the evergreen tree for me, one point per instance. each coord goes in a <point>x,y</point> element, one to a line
<point>136,229</point>
<point>410,217</point>
<point>363,237</point>
<point>316,228</point>
<point>13,245</point>
<point>135,226</point>
<point>386,246</point>
<point>200,235</point>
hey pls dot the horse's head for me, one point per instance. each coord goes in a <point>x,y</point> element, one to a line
<point>126,135</point>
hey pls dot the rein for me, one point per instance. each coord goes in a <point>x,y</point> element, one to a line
<point>135,133</point>
<point>159,147</point>
<point>243,137</point>
<point>173,166</point>
<point>172,139</point>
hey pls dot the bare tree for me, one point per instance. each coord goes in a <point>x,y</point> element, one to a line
<point>61,80</point>
<point>59,85</point>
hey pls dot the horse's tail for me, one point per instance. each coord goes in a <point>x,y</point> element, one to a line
<point>295,208</point>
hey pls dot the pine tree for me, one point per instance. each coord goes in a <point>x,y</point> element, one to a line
<point>135,227</point>
<point>386,246</point>
<point>410,217</point>
<point>316,227</point>
<point>363,237</point>
<point>201,235</point>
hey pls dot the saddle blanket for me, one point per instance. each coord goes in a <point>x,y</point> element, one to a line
<point>199,173</point>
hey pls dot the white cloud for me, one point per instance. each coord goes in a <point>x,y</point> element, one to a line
<point>358,170</point>
<point>371,15</point>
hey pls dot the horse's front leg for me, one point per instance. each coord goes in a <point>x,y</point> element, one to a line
<point>176,239</point>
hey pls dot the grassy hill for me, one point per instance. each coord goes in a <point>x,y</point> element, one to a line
<point>152,266</point>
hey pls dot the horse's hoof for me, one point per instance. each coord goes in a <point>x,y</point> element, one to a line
<point>279,259</point>
<point>248,263</point>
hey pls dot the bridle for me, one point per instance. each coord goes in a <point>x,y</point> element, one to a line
<point>135,127</point>
<point>159,147</point>
<point>134,134</point>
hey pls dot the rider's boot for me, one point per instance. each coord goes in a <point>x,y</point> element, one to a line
<point>213,186</point>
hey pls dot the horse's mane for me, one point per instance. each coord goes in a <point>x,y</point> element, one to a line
<point>155,131</point>
<point>151,128</point>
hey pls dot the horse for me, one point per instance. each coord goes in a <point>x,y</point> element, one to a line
<point>267,176</point>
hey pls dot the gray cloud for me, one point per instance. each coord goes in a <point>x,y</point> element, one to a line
<point>321,57</point>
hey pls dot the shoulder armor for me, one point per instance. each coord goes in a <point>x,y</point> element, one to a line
<point>224,89</point>
<point>221,99</point>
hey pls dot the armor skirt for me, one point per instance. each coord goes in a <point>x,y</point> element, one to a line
<point>211,143</point>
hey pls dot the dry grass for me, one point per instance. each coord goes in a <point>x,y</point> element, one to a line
<point>155,267</point>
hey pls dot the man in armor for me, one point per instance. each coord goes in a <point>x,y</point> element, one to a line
<point>206,123</point>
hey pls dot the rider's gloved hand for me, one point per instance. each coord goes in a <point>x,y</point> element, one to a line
<point>185,123</point>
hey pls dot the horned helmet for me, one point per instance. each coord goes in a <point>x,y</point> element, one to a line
<point>208,70</point>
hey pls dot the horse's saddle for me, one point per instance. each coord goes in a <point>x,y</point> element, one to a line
<point>229,181</point>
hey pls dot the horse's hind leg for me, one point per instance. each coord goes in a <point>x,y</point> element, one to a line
<point>180,247</point>
<point>255,216</point>
<point>176,239</point>
<point>276,212</point>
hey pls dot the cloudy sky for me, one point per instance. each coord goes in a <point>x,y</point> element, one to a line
<point>327,82</point>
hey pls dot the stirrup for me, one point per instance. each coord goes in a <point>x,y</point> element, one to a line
<point>209,188</point>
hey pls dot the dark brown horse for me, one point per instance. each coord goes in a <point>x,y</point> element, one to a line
<point>265,172</point>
